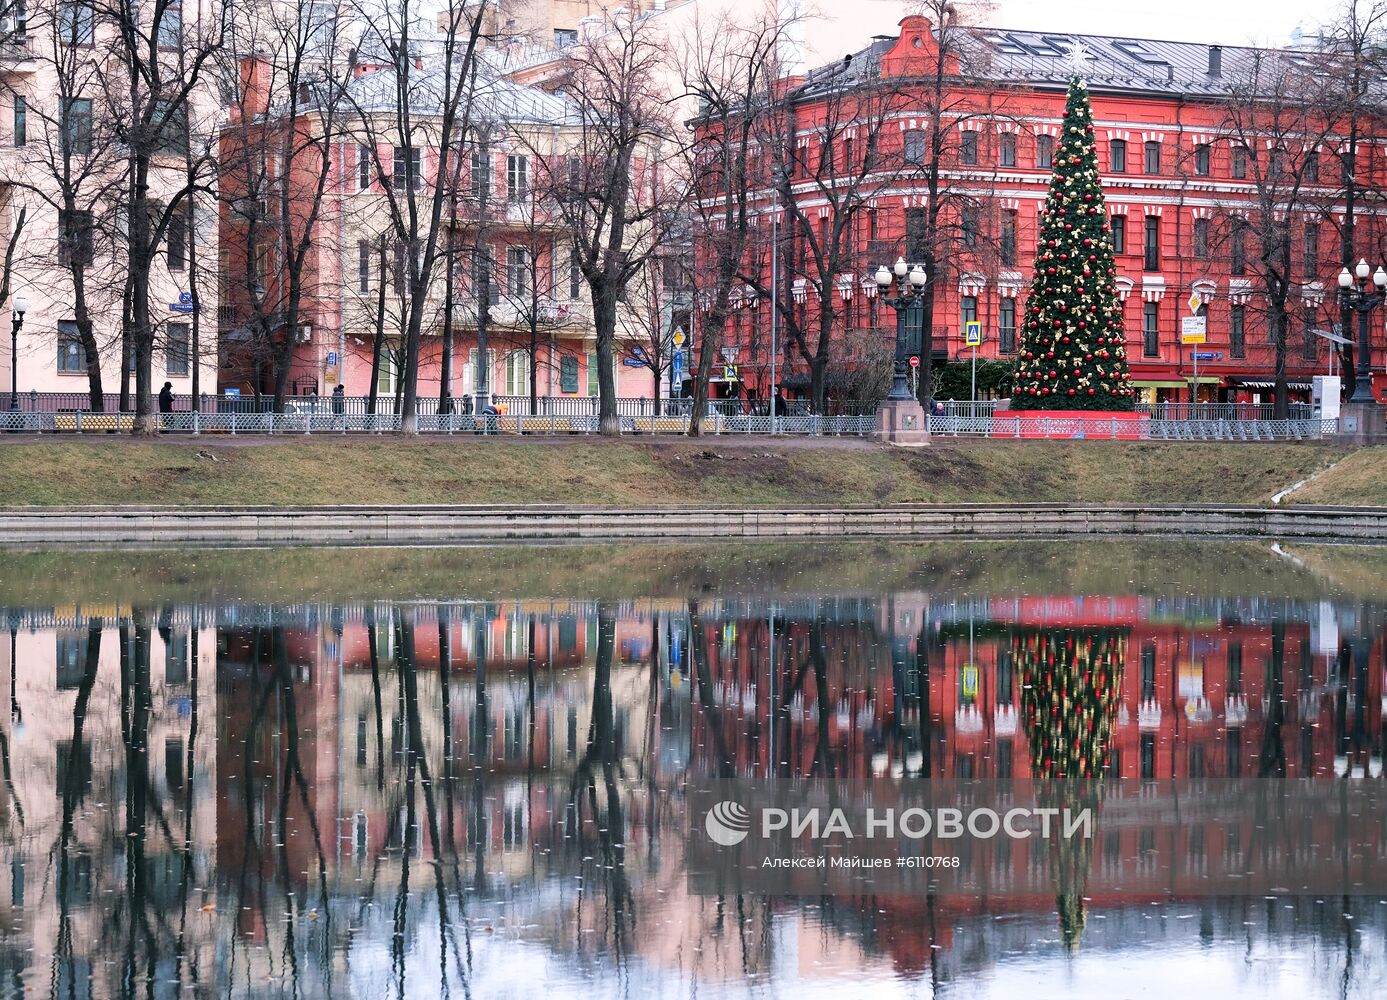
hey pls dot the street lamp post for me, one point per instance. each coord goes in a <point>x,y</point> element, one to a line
<point>1362,415</point>
<point>21,305</point>
<point>901,419</point>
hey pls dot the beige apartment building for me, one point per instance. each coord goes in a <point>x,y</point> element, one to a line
<point>64,178</point>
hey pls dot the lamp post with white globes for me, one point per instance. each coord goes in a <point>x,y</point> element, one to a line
<point>1362,415</point>
<point>21,305</point>
<point>901,419</point>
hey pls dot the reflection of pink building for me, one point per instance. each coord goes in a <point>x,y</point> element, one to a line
<point>66,908</point>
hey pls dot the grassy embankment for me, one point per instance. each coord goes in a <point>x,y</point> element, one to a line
<point>391,471</point>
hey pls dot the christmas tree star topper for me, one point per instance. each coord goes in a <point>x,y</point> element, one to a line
<point>1078,58</point>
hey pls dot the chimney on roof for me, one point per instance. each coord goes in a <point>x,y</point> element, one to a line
<point>1215,60</point>
<point>1170,73</point>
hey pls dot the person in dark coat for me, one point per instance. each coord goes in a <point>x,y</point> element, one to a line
<point>166,398</point>
<point>339,398</point>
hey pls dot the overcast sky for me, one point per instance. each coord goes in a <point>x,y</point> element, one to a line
<point>1227,22</point>
<point>838,26</point>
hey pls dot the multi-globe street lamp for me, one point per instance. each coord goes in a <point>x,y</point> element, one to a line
<point>1356,295</point>
<point>910,282</point>
<point>21,305</point>
<point>901,419</point>
<point>1363,415</point>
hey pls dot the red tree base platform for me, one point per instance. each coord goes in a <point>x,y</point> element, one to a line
<point>1111,425</point>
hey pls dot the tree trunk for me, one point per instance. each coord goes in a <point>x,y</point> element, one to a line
<point>481,378</point>
<point>409,410</point>
<point>1281,400</point>
<point>378,344</point>
<point>96,396</point>
<point>146,422</point>
<point>127,351</point>
<point>709,339</point>
<point>284,356</point>
<point>604,318</point>
<point>818,372</point>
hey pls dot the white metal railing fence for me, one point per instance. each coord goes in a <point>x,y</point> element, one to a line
<point>1099,427</point>
<point>1223,411</point>
<point>327,422</point>
<point>1000,425</point>
<point>1158,411</point>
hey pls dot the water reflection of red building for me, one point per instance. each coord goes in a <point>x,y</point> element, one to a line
<point>1200,695</point>
<point>1197,695</point>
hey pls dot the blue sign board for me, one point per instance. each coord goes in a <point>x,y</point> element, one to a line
<point>1208,355</point>
<point>180,307</point>
<point>185,298</point>
<point>332,357</point>
<point>231,392</point>
<point>633,362</point>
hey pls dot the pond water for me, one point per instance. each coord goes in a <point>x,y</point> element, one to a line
<point>465,773</point>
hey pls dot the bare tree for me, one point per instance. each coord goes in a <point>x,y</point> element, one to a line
<point>417,102</point>
<point>277,157</point>
<point>606,198</point>
<point>949,113</point>
<point>157,72</point>
<point>530,289</point>
<point>1352,59</point>
<point>70,161</point>
<point>826,171</point>
<point>661,304</point>
<point>730,71</point>
<point>1275,131</point>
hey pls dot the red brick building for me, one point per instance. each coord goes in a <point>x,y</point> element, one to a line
<point>1180,180</point>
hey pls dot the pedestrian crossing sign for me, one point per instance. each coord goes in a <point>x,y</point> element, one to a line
<point>972,333</point>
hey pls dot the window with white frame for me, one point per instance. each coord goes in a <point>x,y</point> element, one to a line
<point>176,348</point>
<point>480,173</point>
<point>517,271</point>
<point>968,148</point>
<point>388,378</point>
<point>517,374</point>
<point>363,167</point>
<point>470,379</point>
<point>72,356</point>
<point>1006,149</point>
<point>517,177</point>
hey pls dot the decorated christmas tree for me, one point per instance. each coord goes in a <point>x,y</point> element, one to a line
<point>1070,680</point>
<point>1072,355</point>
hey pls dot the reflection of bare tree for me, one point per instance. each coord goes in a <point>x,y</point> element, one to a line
<point>698,657</point>
<point>71,792</point>
<point>418,766</point>
<point>445,672</point>
<point>823,751</point>
<point>1272,760</point>
<point>295,782</point>
<point>600,759</point>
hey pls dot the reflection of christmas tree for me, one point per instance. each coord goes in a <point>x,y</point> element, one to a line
<point>1073,355</point>
<point>1070,681</point>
